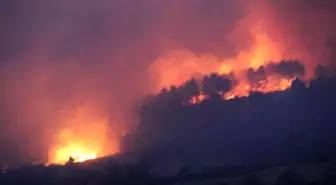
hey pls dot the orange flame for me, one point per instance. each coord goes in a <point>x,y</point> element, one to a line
<point>179,66</point>
<point>85,138</point>
<point>77,147</point>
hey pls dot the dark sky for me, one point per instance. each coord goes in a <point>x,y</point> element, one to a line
<point>56,56</point>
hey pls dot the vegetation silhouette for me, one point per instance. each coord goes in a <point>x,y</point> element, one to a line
<point>241,135</point>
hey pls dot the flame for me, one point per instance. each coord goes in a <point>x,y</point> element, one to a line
<point>179,66</point>
<point>73,145</point>
<point>256,41</point>
<point>84,138</point>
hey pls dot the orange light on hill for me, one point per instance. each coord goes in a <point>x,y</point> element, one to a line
<point>179,66</point>
<point>75,146</point>
<point>78,151</point>
<point>85,137</point>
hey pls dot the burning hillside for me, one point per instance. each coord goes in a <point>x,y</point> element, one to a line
<point>264,67</point>
<point>84,137</point>
<point>97,62</point>
<point>264,64</point>
<point>270,78</point>
<point>262,39</point>
<point>259,69</point>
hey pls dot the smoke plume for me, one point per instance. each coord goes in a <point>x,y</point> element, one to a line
<point>82,66</point>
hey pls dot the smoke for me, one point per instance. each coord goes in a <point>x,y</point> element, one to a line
<point>58,58</point>
<point>262,31</point>
<point>65,57</point>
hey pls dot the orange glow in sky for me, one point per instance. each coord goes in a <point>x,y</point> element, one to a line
<point>179,66</point>
<point>84,137</point>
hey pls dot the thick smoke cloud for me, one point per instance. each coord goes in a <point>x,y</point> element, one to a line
<point>309,28</point>
<point>60,56</point>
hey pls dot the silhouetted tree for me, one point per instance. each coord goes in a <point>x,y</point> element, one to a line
<point>256,76</point>
<point>164,93</point>
<point>287,69</point>
<point>216,84</point>
<point>189,89</point>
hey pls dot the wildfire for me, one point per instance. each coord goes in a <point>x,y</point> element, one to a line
<point>75,146</point>
<point>77,150</point>
<point>179,66</point>
<point>84,138</point>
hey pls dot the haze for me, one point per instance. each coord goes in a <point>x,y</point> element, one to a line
<point>84,65</point>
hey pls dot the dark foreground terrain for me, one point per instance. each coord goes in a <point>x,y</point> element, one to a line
<point>97,173</point>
